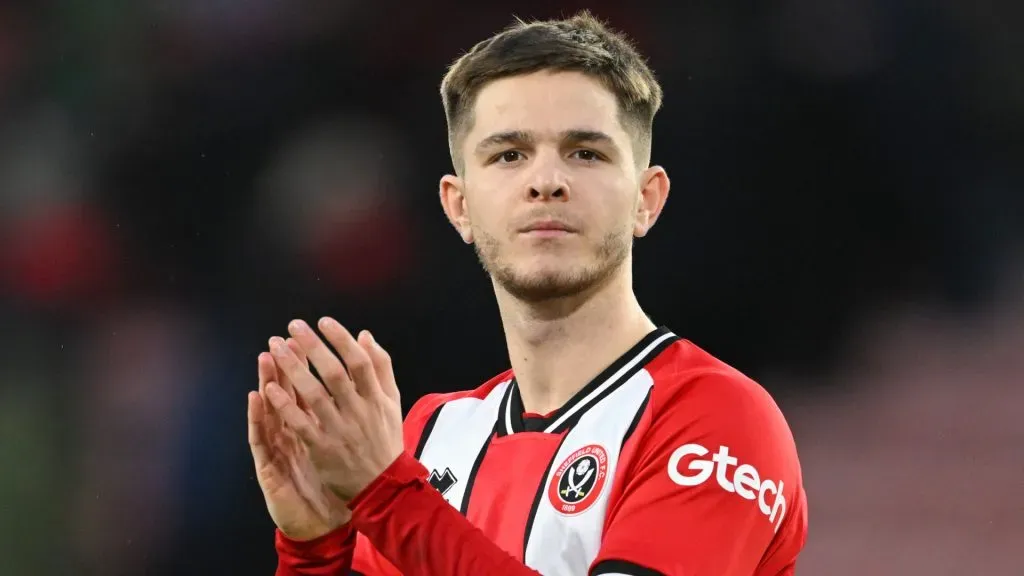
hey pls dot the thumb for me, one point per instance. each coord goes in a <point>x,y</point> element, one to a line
<point>256,415</point>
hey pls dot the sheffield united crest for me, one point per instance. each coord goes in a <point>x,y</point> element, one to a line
<point>578,480</point>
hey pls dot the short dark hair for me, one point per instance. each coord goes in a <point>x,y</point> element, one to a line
<point>577,44</point>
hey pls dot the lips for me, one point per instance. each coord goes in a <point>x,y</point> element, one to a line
<point>549,226</point>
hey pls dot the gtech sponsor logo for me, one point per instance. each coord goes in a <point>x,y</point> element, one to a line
<point>688,467</point>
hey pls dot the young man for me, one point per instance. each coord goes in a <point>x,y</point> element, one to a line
<point>612,446</point>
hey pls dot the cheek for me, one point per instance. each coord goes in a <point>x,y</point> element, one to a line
<point>617,214</point>
<point>614,197</point>
<point>486,215</point>
<point>489,208</point>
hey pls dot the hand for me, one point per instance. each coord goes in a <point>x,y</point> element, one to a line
<point>359,410</point>
<point>299,504</point>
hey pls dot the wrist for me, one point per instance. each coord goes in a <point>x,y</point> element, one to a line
<point>403,471</point>
<point>318,546</point>
<point>305,536</point>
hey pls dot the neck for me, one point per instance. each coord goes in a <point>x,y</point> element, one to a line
<point>557,347</point>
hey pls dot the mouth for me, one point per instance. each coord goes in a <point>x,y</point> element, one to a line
<point>547,229</point>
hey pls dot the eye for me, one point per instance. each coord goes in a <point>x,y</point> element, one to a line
<point>587,155</point>
<point>508,156</point>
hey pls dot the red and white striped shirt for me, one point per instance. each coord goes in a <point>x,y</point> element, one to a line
<point>669,462</point>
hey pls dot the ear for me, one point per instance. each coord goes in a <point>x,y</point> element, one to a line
<point>453,202</point>
<point>653,195</point>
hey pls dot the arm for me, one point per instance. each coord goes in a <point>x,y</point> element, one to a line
<point>411,525</point>
<point>343,552</point>
<point>328,555</point>
<point>402,521</point>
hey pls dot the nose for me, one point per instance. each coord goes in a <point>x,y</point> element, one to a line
<point>548,182</point>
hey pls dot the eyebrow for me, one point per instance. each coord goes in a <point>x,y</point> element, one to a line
<point>520,137</point>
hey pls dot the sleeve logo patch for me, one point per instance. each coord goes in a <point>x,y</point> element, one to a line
<point>688,466</point>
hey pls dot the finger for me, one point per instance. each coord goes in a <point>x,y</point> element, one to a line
<point>269,421</point>
<point>267,369</point>
<point>381,366</point>
<point>331,370</point>
<point>283,380</point>
<point>301,354</point>
<point>297,349</point>
<point>306,385</point>
<point>257,439</point>
<point>293,416</point>
<point>360,367</point>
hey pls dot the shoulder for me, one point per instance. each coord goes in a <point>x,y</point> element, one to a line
<point>712,456</point>
<point>693,389</point>
<point>707,419</point>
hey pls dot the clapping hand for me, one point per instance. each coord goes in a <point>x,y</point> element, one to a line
<point>301,506</point>
<point>350,423</point>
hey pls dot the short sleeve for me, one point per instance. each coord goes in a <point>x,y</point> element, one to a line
<point>713,486</point>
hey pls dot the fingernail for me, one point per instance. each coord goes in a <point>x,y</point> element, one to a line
<point>298,326</point>
<point>277,346</point>
<point>328,323</point>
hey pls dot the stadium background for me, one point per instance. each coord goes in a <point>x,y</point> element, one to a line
<point>179,179</point>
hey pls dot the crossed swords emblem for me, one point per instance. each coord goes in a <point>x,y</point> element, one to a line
<point>578,476</point>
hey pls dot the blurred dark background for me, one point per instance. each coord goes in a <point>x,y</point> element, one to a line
<point>180,179</point>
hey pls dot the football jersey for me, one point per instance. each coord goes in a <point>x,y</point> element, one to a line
<point>668,462</point>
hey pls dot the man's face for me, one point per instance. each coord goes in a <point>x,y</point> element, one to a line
<point>551,187</point>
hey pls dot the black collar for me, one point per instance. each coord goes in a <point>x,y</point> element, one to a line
<point>510,416</point>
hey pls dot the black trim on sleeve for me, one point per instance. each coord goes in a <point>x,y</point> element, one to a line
<point>623,567</point>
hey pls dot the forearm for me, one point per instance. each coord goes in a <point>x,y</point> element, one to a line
<point>409,522</point>
<point>329,555</point>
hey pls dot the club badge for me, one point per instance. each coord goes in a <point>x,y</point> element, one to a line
<point>578,480</point>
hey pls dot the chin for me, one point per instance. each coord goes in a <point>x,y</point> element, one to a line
<point>539,276</point>
<point>543,288</point>
<point>551,281</point>
<point>549,269</point>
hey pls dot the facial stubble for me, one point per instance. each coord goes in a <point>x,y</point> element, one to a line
<point>561,283</point>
